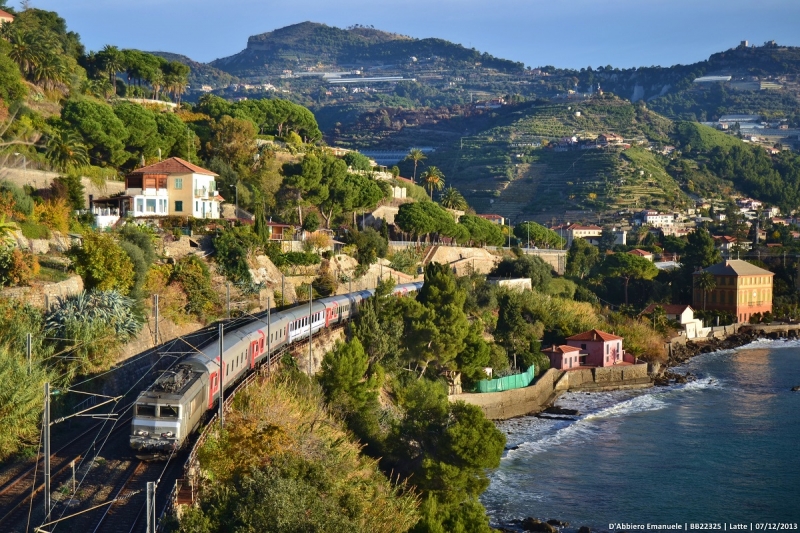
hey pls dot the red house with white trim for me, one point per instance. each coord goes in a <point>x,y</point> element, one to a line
<point>601,348</point>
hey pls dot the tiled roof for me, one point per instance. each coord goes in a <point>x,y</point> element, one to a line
<point>736,267</point>
<point>594,335</point>
<point>640,253</point>
<point>578,226</point>
<point>670,309</point>
<point>562,349</point>
<point>6,15</point>
<point>173,165</point>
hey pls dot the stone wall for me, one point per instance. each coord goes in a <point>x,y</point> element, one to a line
<point>44,295</point>
<point>530,400</point>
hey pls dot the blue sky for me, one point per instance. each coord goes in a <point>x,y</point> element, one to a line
<point>564,33</point>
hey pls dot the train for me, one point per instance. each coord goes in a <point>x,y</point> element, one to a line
<point>175,405</point>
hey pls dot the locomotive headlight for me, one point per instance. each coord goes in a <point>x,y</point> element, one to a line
<point>142,433</point>
<point>168,435</point>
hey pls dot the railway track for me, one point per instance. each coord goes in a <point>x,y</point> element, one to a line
<point>21,495</point>
<point>128,513</point>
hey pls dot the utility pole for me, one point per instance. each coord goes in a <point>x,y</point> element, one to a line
<point>29,338</point>
<point>47,450</point>
<point>310,297</point>
<point>151,507</point>
<point>283,290</point>
<point>228,297</point>
<point>269,337</point>
<point>221,388</point>
<point>155,306</point>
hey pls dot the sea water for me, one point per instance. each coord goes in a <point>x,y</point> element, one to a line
<point>723,449</point>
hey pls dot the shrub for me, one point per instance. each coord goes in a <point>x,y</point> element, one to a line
<point>17,267</point>
<point>55,214</point>
<point>15,199</point>
<point>195,279</point>
<point>325,283</point>
<point>172,301</point>
<point>102,263</point>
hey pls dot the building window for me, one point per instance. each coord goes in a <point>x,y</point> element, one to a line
<point>179,183</point>
<point>178,206</point>
<point>162,206</point>
<point>608,347</point>
<point>196,205</point>
<point>139,205</point>
<point>151,206</point>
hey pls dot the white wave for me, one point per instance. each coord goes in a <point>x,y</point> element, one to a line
<point>532,435</point>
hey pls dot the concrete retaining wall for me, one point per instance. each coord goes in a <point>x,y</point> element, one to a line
<point>530,400</point>
<point>517,402</point>
<point>607,378</point>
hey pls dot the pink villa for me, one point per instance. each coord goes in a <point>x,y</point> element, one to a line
<point>598,347</point>
<point>563,357</point>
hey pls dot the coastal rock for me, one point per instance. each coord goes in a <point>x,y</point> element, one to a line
<point>561,411</point>
<point>584,529</point>
<point>533,524</point>
<point>557,523</point>
<point>796,389</point>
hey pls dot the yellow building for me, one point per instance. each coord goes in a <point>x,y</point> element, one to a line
<point>741,288</point>
<point>173,187</point>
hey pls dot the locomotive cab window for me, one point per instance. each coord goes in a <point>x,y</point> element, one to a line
<point>145,410</point>
<point>168,411</point>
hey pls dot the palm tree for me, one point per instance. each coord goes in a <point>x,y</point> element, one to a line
<point>433,178</point>
<point>65,150</point>
<point>157,82</point>
<point>112,61</point>
<point>50,71</point>
<point>416,156</point>
<point>452,199</point>
<point>706,282</point>
<point>23,51</point>
<point>176,85</point>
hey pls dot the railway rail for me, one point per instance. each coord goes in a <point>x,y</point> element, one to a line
<point>20,495</point>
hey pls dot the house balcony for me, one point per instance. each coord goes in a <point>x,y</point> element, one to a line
<point>205,193</point>
<point>148,191</point>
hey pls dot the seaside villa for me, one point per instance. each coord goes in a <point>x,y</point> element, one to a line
<point>591,348</point>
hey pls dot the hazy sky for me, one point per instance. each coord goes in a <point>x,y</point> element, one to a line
<point>564,33</point>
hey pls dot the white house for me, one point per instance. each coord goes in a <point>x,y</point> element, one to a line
<point>173,187</point>
<point>656,219</point>
<point>684,315</point>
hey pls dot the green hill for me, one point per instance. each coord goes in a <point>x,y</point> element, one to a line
<point>310,45</point>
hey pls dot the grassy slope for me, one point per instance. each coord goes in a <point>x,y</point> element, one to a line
<point>499,172</point>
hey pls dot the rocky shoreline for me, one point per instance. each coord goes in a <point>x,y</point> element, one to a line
<point>681,353</point>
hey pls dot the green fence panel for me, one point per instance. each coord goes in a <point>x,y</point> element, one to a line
<point>516,381</point>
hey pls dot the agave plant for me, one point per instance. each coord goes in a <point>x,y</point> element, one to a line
<point>90,326</point>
